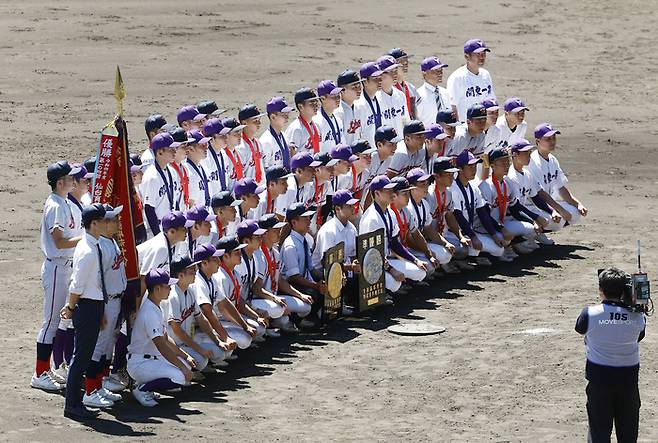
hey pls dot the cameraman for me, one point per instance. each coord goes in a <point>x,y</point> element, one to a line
<point>612,332</point>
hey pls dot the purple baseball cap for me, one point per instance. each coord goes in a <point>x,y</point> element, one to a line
<point>466,158</point>
<point>343,152</point>
<point>247,186</point>
<point>249,227</point>
<point>186,113</point>
<point>522,145</point>
<point>277,104</point>
<point>214,126</point>
<point>381,182</point>
<point>343,197</point>
<point>197,137</point>
<point>515,104</point>
<point>199,213</point>
<point>205,251</point>
<point>370,69</point>
<point>159,277</point>
<point>417,175</point>
<point>475,45</point>
<point>490,104</point>
<point>82,173</point>
<point>163,140</point>
<point>436,132</point>
<point>432,63</point>
<point>302,160</point>
<point>387,63</point>
<point>545,130</point>
<point>175,220</point>
<point>327,87</point>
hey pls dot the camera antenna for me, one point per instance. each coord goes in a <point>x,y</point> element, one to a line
<point>639,263</point>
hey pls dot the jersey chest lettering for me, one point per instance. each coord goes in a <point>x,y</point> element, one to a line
<point>187,312</point>
<point>476,91</point>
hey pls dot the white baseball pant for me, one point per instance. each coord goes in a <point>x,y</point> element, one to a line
<point>488,246</point>
<point>519,228</point>
<point>144,370</point>
<point>55,279</point>
<point>410,271</point>
<point>107,335</point>
<point>273,310</point>
<point>461,252</point>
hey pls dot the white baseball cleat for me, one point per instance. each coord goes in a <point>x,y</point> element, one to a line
<point>544,240</point>
<point>144,398</point>
<point>272,332</point>
<point>96,400</point>
<point>45,383</point>
<point>106,393</point>
<point>60,374</point>
<point>113,384</point>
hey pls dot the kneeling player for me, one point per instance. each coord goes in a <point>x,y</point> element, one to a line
<point>154,360</point>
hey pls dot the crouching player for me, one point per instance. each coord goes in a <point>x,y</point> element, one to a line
<point>154,360</point>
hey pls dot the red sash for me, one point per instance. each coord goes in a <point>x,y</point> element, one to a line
<point>407,94</point>
<point>185,182</point>
<point>237,164</point>
<point>501,198</point>
<point>256,156</point>
<point>403,223</point>
<point>314,134</point>
<point>236,286</point>
<point>271,267</point>
<point>439,214</point>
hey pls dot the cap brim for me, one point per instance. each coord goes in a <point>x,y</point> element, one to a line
<point>426,131</point>
<point>218,253</point>
<point>422,178</point>
<point>259,231</point>
<point>352,201</point>
<point>199,117</point>
<point>337,90</point>
<point>89,175</point>
<point>237,128</point>
<point>392,67</point>
<point>441,136</point>
<point>135,168</point>
<point>474,161</point>
<point>307,214</point>
<point>210,217</point>
<point>376,74</point>
<point>519,109</point>
<point>287,109</point>
<point>314,164</point>
<point>342,85</point>
<point>240,246</point>
<point>113,213</point>
<point>493,108</point>
<point>441,66</point>
<point>204,140</point>
<point>524,149</point>
<point>478,50</point>
<point>218,112</point>
<point>551,133</point>
<point>259,190</point>
<point>353,158</point>
<point>451,170</point>
<point>189,223</point>
<point>172,281</point>
<point>194,263</point>
<point>332,162</point>
<point>175,145</point>
<point>368,151</point>
<point>75,170</point>
<point>236,202</point>
<point>389,186</point>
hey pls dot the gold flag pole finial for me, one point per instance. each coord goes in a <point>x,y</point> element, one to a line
<point>119,92</point>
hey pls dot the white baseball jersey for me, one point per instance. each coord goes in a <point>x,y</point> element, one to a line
<point>330,128</point>
<point>233,162</point>
<point>525,185</point>
<point>263,268</point>
<point>372,220</point>
<point>150,323</point>
<point>350,120</point>
<point>265,205</point>
<point>438,204</point>
<point>548,173</point>
<point>57,213</point>
<point>394,109</point>
<point>299,137</point>
<point>402,161</point>
<point>198,184</point>
<point>147,157</point>
<point>113,267</point>
<point>492,139</point>
<point>431,100</point>
<point>490,196</point>
<point>271,146</point>
<point>464,140</point>
<point>214,166</point>
<point>467,199</point>
<point>466,89</point>
<point>247,275</point>
<point>181,307</point>
<point>85,200</point>
<point>157,253</point>
<point>207,291</point>
<point>294,194</point>
<point>248,154</point>
<point>228,285</point>
<point>160,190</point>
<point>368,108</point>
<point>508,137</point>
<point>329,235</point>
<point>420,213</point>
<point>85,277</point>
<point>404,221</point>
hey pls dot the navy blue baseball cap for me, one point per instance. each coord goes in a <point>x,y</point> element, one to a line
<point>223,199</point>
<point>246,186</point>
<point>248,111</point>
<point>232,124</point>
<point>386,134</point>
<point>545,130</point>
<point>274,173</point>
<point>362,147</point>
<point>90,163</point>
<point>159,277</point>
<point>111,212</point>
<point>323,159</point>
<point>445,164</point>
<point>270,221</point>
<point>343,197</point>
<point>175,220</point>
<point>179,135</point>
<point>299,209</point>
<point>205,251</point>
<point>209,107</point>
<point>249,227</point>
<point>414,127</point>
<point>343,152</point>
<point>398,53</point>
<point>180,264</point>
<point>95,211</point>
<point>348,77</point>
<point>370,69</point>
<point>154,122</point>
<point>475,45</point>
<point>59,170</point>
<point>305,94</point>
<point>228,244</point>
<point>497,153</point>
<point>447,118</point>
<point>199,213</point>
<point>401,184</point>
<point>476,112</point>
<point>381,182</point>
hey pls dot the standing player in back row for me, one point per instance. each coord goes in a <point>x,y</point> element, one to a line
<point>402,59</point>
<point>432,97</point>
<point>471,83</point>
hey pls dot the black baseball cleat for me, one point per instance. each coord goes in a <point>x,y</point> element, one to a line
<point>80,413</point>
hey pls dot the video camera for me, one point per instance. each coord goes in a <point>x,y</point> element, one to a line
<point>637,291</point>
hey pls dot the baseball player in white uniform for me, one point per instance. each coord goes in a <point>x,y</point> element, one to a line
<point>155,362</point>
<point>249,148</point>
<point>410,94</point>
<point>410,152</point>
<point>153,125</point>
<point>349,114</point>
<point>512,124</point>
<point>300,185</point>
<point>392,101</point>
<point>368,103</point>
<point>199,183</point>
<point>273,141</point>
<point>276,179</point>
<point>470,135</point>
<point>470,83</point>
<point>432,97</point>
<point>545,168</point>
<point>435,146</point>
<point>492,133</point>
<point>235,164</point>
<point>329,127</point>
<point>59,235</point>
<point>303,134</point>
<point>214,163</point>
<point>224,207</point>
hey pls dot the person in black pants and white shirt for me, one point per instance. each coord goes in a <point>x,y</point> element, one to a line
<point>612,332</point>
<point>86,303</point>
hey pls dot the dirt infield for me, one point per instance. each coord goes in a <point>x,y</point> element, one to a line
<point>509,367</point>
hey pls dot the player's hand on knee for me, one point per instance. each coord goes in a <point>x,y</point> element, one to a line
<point>251,331</point>
<point>230,343</point>
<point>450,248</point>
<point>541,222</point>
<point>557,218</point>
<point>280,301</point>
<point>188,374</point>
<point>583,210</point>
<point>476,243</point>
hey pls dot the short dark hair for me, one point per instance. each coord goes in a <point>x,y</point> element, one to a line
<point>612,281</point>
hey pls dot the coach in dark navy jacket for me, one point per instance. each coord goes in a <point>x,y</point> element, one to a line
<point>612,332</point>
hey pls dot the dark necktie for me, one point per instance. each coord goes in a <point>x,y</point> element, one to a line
<point>305,243</point>
<point>100,266</point>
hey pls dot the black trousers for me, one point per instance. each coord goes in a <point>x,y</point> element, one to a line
<point>608,403</point>
<point>87,319</point>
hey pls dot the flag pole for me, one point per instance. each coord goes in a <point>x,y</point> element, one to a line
<point>119,92</point>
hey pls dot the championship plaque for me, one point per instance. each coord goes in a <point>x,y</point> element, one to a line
<point>333,275</point>
<point>370,252</point>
